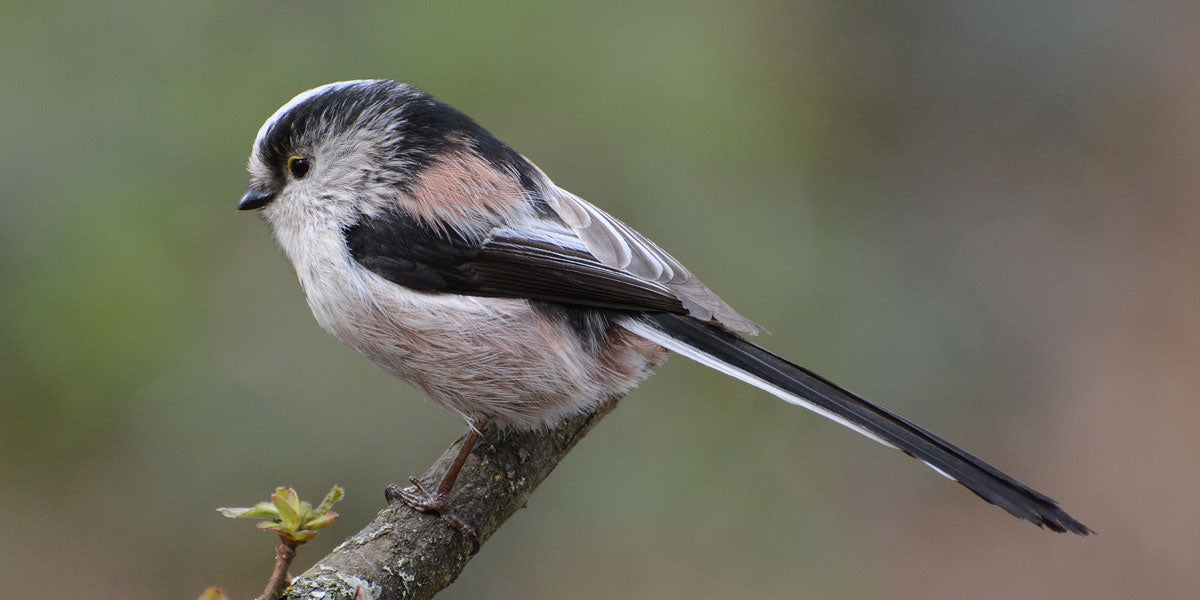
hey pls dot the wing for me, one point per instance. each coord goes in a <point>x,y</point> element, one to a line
<point>618,245</point>
<point>511,262</point>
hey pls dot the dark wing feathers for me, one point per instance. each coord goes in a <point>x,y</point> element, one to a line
<point>404,251</point>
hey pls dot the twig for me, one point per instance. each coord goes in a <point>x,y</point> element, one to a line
<point>404,554</point>
<point>284,553</point>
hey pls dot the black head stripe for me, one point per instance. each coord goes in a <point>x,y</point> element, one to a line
<point>332,111</point>
<point>422,127</point>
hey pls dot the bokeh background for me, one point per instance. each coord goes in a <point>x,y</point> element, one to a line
<point>982,215</point>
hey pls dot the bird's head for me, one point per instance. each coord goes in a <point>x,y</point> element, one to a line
<point>336,152</point>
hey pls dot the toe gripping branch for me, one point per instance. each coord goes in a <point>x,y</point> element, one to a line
<point>436,501</point>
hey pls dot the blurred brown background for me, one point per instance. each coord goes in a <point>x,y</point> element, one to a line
<point>982,216</point>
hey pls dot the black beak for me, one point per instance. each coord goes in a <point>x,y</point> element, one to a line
<point>255,198</point>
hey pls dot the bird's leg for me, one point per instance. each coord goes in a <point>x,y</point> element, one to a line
<point>435,502</point>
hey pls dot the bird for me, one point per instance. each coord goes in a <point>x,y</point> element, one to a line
<point>451,261</point>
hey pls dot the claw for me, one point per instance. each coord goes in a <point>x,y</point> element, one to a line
<point>435,502</point>
<point>429,502</point>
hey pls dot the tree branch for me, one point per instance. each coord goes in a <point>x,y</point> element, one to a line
<point>404,554</point>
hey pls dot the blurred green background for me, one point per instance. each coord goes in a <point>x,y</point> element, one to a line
<point>982,215</point>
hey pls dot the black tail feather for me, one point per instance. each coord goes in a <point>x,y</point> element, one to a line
<point>823,395</point>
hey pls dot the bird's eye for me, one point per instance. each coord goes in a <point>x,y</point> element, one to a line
<point>298,166</point>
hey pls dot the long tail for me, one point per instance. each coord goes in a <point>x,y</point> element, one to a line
<point>739,358</point>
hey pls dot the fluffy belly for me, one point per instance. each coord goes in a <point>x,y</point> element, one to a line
<point>503,360</point>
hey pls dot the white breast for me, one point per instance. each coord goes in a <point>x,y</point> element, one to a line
<point>492,358</point>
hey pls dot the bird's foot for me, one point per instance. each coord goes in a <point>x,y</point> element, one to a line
<point>429,502</point>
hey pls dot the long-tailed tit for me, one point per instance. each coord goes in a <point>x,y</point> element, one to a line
<point>455,264</point>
